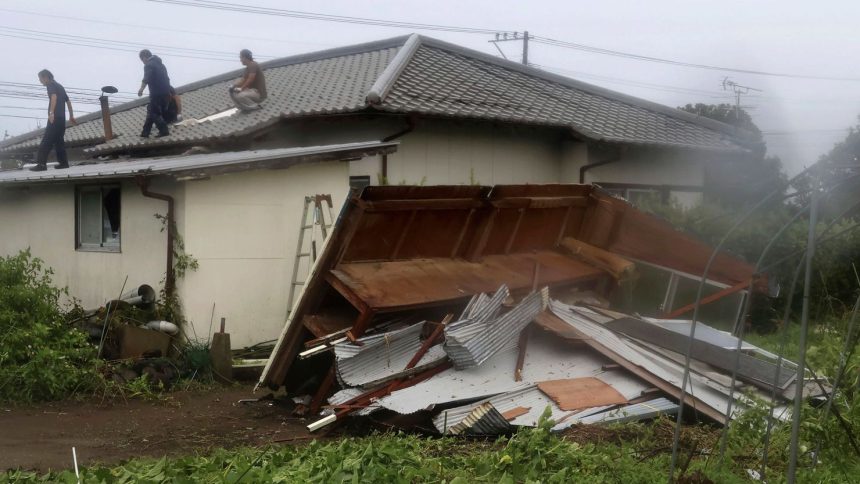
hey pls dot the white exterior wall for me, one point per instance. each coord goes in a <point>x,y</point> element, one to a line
<point>645,166</point>
<point>454,153</point>
<point>43,218</point>
<point>243,228</point>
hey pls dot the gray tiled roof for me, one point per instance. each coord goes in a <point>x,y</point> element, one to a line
<point>441,82</point>
<point>406,75</point>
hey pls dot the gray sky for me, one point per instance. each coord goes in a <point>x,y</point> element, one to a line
<point>806,117</point>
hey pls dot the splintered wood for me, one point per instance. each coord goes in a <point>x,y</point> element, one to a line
<point>580,393</point>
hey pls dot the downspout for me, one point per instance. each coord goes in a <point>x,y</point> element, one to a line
<point>586,167</point>
<point>410,126</point>
<point>170,276</point>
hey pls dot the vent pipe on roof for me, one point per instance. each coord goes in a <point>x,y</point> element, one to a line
<point>103,100</point>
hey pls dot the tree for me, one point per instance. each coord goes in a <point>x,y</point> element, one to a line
<point>745,179</point>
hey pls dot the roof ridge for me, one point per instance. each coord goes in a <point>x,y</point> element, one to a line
<point>739,134</point>
<point>386,80</point>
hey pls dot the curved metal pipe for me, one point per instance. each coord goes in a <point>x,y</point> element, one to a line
<point>170,275</point>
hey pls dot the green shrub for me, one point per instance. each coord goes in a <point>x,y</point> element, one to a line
<point>41,357</point>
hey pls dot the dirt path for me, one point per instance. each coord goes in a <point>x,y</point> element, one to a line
<point>40,437</point>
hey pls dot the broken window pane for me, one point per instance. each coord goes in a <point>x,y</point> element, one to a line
<point>98,217</point>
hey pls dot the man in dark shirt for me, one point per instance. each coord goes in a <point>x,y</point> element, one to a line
<point>55,130</point>
<point>155,76</point>
<point>251,89</point>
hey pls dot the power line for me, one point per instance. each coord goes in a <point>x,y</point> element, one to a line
<point>244,8</point>
<point>162,29</point>
<point>628,55</point>
<point>123,46</point>
<point>237,7</point>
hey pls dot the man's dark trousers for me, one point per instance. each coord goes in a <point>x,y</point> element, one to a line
<point>53,138</point>
<point>155,114</point>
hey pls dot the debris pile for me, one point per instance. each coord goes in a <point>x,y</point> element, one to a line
<point>374,330</point>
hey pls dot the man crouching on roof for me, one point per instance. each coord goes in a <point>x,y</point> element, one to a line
<point>251,89</point>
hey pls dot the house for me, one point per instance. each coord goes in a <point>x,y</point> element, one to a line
<point>407,110</point>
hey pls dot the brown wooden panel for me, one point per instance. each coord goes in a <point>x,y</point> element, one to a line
<point>581,393</point>
<point>515,412</point>
<point>411,283</point>
<point>404,192</point>
<point>433,233</point>
<point>376,236</point>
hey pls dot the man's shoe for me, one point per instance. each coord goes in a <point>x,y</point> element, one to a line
<point>61,167</point>
<point>39,168</point>
<point>163,134</point>
<point>144,135</point>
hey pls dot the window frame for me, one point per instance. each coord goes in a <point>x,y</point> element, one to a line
<point>102,188</point>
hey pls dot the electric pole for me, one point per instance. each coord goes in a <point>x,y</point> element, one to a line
<point>515,36</point>
<point>738,90</point>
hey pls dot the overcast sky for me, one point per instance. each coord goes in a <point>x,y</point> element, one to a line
<point>805,117</point>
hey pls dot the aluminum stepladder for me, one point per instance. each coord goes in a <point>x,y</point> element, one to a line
<point>317,222</point>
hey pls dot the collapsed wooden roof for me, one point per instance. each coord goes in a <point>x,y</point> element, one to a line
<point>397,248</point>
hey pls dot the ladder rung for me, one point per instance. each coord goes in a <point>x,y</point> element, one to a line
<point>299,283</point>
<point>303,254</point>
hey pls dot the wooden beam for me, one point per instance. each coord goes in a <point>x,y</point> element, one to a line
<point>477,249</point>
<point>521,352</point>
<point>346,292</point>
<point>403,234</point>
<point>430,341</point>
<point>462,233</point>
<point>514,232</point>
<point>323,390</point>
<point>709,299</point>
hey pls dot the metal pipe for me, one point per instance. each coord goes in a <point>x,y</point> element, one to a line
<point>688,355</point>
<point>804,328</point>
<point>410,126</point>
<point>170,275</point>
<point>588,166</point>
<point>106,122</point>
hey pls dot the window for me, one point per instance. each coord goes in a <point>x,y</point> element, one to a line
<point>97,218</point>
<point>358,183</point>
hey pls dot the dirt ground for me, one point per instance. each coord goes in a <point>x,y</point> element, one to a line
<point>40,437</point>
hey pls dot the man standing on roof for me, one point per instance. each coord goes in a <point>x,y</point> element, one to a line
<point>174,108</point>
<point>251,89</point>
<point>55,130</point>
<point>155,76</point>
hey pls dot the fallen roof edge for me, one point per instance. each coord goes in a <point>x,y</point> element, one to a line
<point>737,133</point>
<point>186,163</point>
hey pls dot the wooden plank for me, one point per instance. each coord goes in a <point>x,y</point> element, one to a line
<point>750,369</point>
<point>521,353</point>
<point>581,393</point>
<point>515,412</point>
<point>619,267</point>
<point>394,285</point>
<point>462,234</point>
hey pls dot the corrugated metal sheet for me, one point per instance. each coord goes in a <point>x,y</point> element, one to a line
<point>472,343</point>
<point>528,396</point>
<point>704,333</point>
<point>546,358</point>
<point>706,390</point>
<point>637,411</point>
<point>483,419</point>
<point>383,357</point>
<point>183,164</point>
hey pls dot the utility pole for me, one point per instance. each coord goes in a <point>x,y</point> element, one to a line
<point>738,90</point>
<point>515,36</point>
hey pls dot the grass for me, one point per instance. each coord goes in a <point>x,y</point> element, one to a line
<point>630,453</point>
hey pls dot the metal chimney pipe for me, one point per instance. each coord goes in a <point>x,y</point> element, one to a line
<point>103,100</point>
